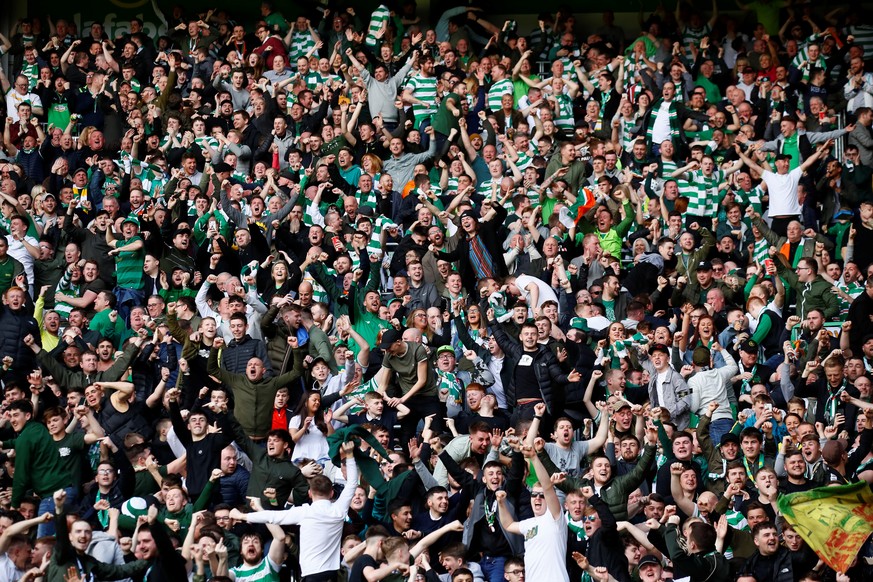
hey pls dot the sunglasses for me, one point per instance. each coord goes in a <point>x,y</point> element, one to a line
<point>537,495</point>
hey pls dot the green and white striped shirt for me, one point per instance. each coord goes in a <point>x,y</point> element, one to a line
<point>424,89</point>
<point>496,93</point>
<point>301,42</point>
<point>264,571</point>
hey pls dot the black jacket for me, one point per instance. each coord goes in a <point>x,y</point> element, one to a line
<point>605,547</point>
<point>551,379</point>
<point>489,233</point>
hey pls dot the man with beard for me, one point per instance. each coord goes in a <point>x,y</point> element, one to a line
<point>794,479</point>
<point>71,548</point>
<point>253,391</point>
<point>771,561</point>
<point>177,255</point>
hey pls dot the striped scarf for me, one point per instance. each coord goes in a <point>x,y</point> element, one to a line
<point>481,258</point>
<point>675,128</point>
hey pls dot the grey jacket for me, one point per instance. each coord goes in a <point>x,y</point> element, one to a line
<point>677,395</point>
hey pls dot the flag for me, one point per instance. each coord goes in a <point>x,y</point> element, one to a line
<point>834,521</point>
<point>585,201</point>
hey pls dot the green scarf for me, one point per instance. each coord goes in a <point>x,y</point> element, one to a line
<point>675,128</point>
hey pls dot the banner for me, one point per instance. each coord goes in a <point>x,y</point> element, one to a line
<point>834,521</point>
<point>114,15</point>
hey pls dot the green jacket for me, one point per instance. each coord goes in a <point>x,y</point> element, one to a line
<point>687,265</point>
<point>617,489</point>
<point>276,472</point>
<point>254,400</point>
<point>70,379</point>
<point>818,294</point>
<point>64,556</point>
<point>38,465</point>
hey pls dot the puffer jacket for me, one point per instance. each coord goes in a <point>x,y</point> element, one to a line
<point>14,326</point>
<point>551,380</point>
<point>236,355</point>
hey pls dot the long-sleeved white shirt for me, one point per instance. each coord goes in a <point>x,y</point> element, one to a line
<point>321,526</point>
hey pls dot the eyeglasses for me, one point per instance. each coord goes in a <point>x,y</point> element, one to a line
<point>104,471</point>
<point>515,572</point>
<point>222,518</point>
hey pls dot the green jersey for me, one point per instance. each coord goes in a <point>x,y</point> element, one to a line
<point>425,90</point>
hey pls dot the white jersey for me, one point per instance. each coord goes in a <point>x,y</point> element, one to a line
<point>545,547</point>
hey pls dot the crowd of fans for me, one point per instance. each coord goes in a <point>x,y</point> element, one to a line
<point>371,297</point>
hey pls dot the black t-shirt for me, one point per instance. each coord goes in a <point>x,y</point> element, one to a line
<point>357,573</point>
<point>526,385</point>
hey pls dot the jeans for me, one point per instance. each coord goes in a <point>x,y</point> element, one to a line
<point>492,568</point>
<point>718,428</point>
<point>47,505</point>
<point>127,299</point>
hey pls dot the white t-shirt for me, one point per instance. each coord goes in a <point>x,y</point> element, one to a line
<point>661,127</point>
<point>18,252</point>
<point>546,292</point>
<point>312,445</point>
<point>783,192</point>
<point>14,98</point>
<point>545,547</point>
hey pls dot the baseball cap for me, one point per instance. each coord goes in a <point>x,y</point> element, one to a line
<point>580,324</point>
<point>648,559</point>
<point>833,451</point>
<point>621,403</point>
<point>783,157</point>
<point>318,360</point>
<point>389,338</point>
<point>659,348</point>
<point>749,346</point>
<point>131,219</point>
<point>704,266</point>
<point>729,437</point>
<point>445,350</point>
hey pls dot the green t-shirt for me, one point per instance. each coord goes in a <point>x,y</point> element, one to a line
<point>443,121</point>
<point>128,265</point>
<point>70,449</point>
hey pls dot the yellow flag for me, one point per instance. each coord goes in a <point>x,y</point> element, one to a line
<point>834,521</point>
